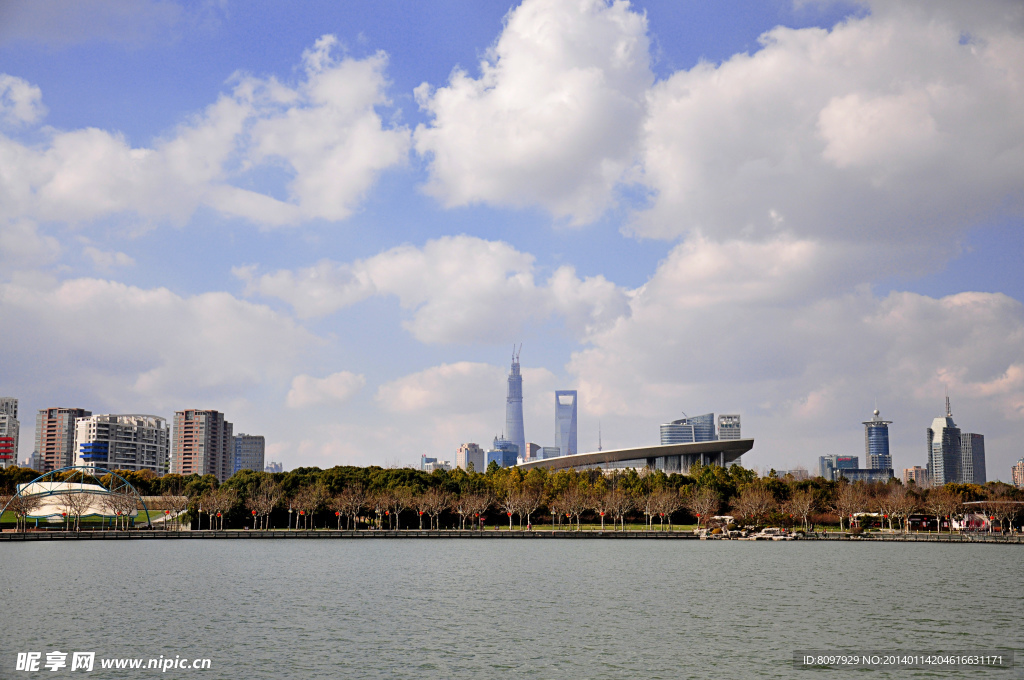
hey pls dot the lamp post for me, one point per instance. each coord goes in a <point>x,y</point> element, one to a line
<point>552,519</point>
<point>289,518</point>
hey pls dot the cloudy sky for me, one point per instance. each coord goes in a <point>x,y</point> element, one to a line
<point>334,225</point>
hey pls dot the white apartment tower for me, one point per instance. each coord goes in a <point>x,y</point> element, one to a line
<point>123,442</point>
<point>470,453</point>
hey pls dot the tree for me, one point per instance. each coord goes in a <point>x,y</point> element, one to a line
<point>599,504</point>
<point>848,500</point>
<point>942,503</point>
<point>755,502</point>
<point>22,506</point>
<point>802,504</point>
<point>398,499</point>
<point>667,502</point>
<point>478,503</point>
<point>618,504</point>
<point>76,503</point>
<point>888,502</point>
<point>349,502</point>
<point>263,500</point>
<point>703,503</point>
<point>437,502</point>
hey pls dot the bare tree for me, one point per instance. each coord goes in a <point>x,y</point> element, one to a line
<point>399,499</point>
<point>667,502</point>
<point>22,506</point>
<point>532,496</point>
<point>76,504</point>
<point>509,502</point>
<point>350,501</point>
<point>801,505</point>
<point>703,503</point>
<point>888,503</point>
<point>619,503</point>
<point>437,501</point>
<point>477,504</point>
<point>599,504</point>
<point>754,503</point>
<point>942,503</point>
<point>848,500</point>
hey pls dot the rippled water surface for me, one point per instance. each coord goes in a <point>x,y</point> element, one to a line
<point>508,608</point>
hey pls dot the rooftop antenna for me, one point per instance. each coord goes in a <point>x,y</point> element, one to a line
<point>599,435</point>
<point>949,413</point>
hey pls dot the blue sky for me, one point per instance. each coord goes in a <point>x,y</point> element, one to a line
<point>334,223</point>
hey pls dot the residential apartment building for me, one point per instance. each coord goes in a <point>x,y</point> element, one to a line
<point>917,474</point>
<point>123,442</point>
<point>10,430</point>
<point>202,444</point>
<point>1018,474</point>
<point>55,436</point>
<point>248,452</point>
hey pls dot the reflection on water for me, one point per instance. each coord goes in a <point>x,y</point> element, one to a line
<point>480,609</point>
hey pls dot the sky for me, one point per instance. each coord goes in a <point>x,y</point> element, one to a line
<point>334,221</point>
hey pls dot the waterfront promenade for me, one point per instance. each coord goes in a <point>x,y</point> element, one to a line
<point>138,534</point>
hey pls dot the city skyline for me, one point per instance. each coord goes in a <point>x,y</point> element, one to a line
<point>335,236</point>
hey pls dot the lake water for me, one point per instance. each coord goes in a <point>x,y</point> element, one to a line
<point>508,608</point>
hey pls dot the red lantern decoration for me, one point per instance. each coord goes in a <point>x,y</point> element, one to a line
<point>337,514</point>
<point>509,514</point>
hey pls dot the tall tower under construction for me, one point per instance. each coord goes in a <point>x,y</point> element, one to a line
<point>514,406</point>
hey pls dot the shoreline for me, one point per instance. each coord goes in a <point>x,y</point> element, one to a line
<point>285,534</point>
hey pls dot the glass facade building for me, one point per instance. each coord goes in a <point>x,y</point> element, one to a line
<point>944,450</point>
<point>514,431</point>
<point>565,422</point>
<point>829,465</point>
<point>249,451</point>
<point>688,430</point>
<point>876,443</point>
<point>972,458</point>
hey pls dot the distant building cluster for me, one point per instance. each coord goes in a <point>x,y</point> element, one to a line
<point>953,456</point>
<point>200,442</point>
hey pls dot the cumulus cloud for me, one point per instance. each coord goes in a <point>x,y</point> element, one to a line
<point>742,328</point>
<point>326,131</point>
<point>20,101</point>
<point>448,388</point>
<point>335,388</point>
<point>553,118</point>
<point>23,247</point>
<point>105,260</point>
<point>459,289</point>
<point>127,343</point>
<point>899,127</point>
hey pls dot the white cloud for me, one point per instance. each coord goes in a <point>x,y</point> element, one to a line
<point>105,260</point>
<point>335,388</point>
<point>20,101</point>
<point>326,131</point>
<point>448,388</point>
<point>124,344</point>
<point>748,328</point>
<point>330,134</point>
<point>459,289</point>
<point>23,247</point>
<point>893,128</point>
<point>553,118</point>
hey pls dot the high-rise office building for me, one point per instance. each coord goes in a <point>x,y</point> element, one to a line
<point>688,430</point>
<point>876,442</point>
<point>828,465</point>
<point>10,430</point>
<point>1017,471</point>
<point>514,407</point>
<point>532,451</point>
<point>55,436</point>
<point>468,454</point>
<point>565,422</point>
<point>729,426</point>
<point>248,452</point>
<point>274,466</point>
<point>972,458</point>
<point>123,442</point>
<point>944,450</point>
<point>201,444</point>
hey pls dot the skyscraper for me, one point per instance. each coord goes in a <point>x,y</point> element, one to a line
<point>514,406</point>
<point>944,450</point>
<point>876,442</point>
<point>202,444</point>
<point>688,430</point>
<point>55,436</point>
<point>123,442</point>
<point>565,422</point>
<point>248,451</point>
<point>10,429</point>
<point>972,458</point>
